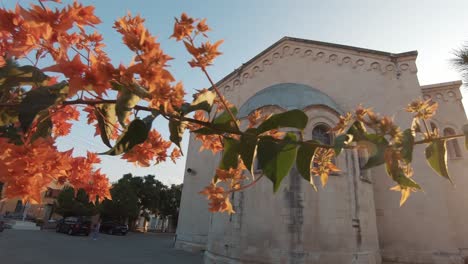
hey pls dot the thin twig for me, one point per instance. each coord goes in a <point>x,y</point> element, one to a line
<point>245,186</point>
<point>428,140</point>
<point>218,93</point>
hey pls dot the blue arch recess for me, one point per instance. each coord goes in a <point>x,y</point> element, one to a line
<point>288,96</point>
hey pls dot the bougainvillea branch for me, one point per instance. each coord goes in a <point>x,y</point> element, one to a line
<point>36,109</point>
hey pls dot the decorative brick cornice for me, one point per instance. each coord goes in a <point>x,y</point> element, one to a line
<point>442,91</point>
<point>321,52</point>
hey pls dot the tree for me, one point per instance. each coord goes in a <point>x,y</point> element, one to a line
<point>69,204</point>
<point>124,204</point>
<point>170,202</point>
<point>35,109</point>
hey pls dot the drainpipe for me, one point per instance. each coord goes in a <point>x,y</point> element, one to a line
<point>352,162</point>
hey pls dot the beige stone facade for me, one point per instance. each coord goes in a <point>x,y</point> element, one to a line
<point>355,218</point>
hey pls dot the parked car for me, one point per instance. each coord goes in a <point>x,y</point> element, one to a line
<point>74,225</point>
<point>113,228</point>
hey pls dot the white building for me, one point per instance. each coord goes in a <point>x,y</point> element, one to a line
<point>356,218</point>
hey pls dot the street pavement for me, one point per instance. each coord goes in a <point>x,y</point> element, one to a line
<point>48,247</point>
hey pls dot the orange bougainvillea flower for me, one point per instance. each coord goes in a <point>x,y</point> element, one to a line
<point>175,154</point>
<point>27,170</point>
<point>152,151</point>
<point>60,119</point>
<point>183,27</point>
<point>323,164</point>
<point>219,199</point>
<point>204,55</point>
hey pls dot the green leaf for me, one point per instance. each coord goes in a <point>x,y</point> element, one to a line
<point>12,133</point>
<point>342,141</point>
<point>404,181</point>
<point>294,118</point>
<point>436,156</point>
<point>230,158</point>
<point>44,127</point>
<point>225,117</point>
<point>465,131</point>
<point>415,126</point>
<point>276,158</point>
<point>202,101</point>
<point>140,91</point>
<point>376,146</point>
<point>149,119</point>
<point>357,130</point>
<point>8,116</point>
<point>176,128</point>
<point>39,99</point>
<point>126,100</point>
<point>11,75</point>
<point>107,118</point>
<point>305,156</point>
<point>136,133</point>
<point>407,145</point>
<point>248,148</point>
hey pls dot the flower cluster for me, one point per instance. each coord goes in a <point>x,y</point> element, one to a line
<point>149,65</point>
<point>382,125</point>
<point>185,30</point>
<point>60,119</point>
<point>219,200</point>
<point>153,150</point>
<point>422,109</point>
<point>27,170</point>
<point>323,164</point>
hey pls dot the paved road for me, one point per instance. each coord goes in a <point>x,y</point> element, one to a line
<point>48,247</point>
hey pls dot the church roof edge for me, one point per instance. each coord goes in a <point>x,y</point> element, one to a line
<point>413,53</point>
<point>441,85</point>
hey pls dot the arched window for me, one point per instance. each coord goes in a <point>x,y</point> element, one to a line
<point>322,134</point>
<point>453,148</point>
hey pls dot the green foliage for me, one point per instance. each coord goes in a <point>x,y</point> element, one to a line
<point>69,204</point>
<point>136,133</point>
<point>294,118</point>
<point>124,203</point>
<point>436,156</point>
<point>107,118</point>
<point>341,141</point>
<point>38,100</point>
<point>248,148</point>
<point>407,145</point>
<point>230,156</point>
<point>358,131</point>
<point>202,101</point>
<point>225,122</point>
<point>11,75</point>
<point>176,128</point>
<point>378,145</point>
<point>126,100</point>
<point>8,116</point>
<point>304,160</point>
<point>134,196</point>
<point>277,158</point>
<point>44,125</point>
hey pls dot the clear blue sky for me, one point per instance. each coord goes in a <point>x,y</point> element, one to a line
<point>432,27</point>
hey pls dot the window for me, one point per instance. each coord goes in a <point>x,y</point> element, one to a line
<point>453,148</point>
<point>321,133</point>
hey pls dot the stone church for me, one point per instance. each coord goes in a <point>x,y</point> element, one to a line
<point>355,218</point>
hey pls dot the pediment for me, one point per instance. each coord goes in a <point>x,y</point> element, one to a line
<point>377,62</point>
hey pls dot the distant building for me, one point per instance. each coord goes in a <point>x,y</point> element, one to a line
<point>43,211</point>
<point>356,218</point>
